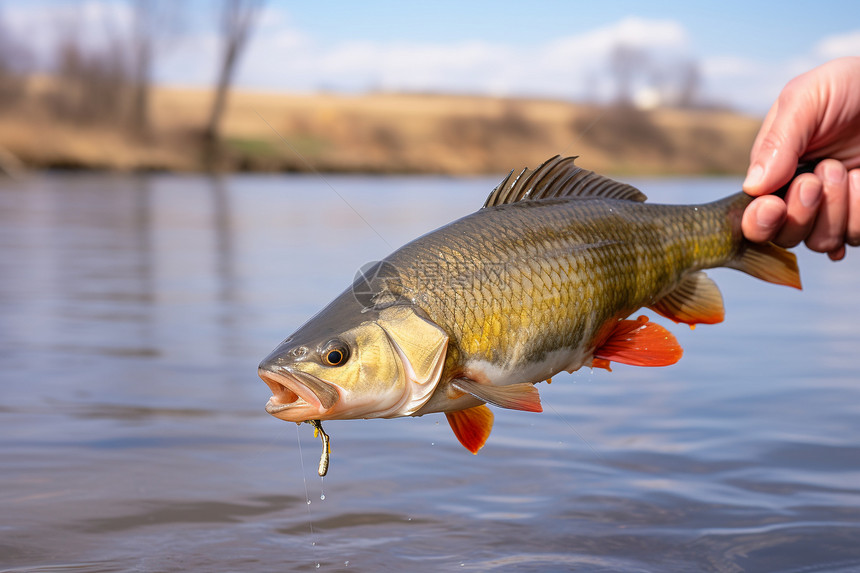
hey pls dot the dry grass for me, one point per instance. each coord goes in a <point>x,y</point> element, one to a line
<point>384,133</point>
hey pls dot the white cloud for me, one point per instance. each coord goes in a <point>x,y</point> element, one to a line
<point>839,45</point>
<point>748,83</point>
<point>192,61</point>
<point>571,66</point>
<point>95,26</point>
<point>753,84</point>
<point>282,56</point>
<point>654,35</point>
<point>729,67</point>
<point>92,23</point>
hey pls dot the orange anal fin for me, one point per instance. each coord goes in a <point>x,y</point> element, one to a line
<point>522,396</point>
<point>601,363</point>
<point>472,426</point>
<point>640,343</point>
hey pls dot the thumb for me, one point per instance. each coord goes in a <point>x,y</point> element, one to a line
<point>780,143</point>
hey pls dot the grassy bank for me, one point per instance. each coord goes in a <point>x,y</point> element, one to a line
<point>379,133</point>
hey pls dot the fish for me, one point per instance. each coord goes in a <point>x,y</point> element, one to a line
<point>544,278</point>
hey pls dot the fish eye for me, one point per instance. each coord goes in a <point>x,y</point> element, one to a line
<point>335,354</point>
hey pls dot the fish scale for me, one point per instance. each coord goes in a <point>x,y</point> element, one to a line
<point>546,265</point>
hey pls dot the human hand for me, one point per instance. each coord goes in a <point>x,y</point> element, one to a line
<point>816,115</point>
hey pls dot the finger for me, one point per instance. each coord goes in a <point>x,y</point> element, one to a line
<point>852,232</point>
<point>802,201</point>
<point>838,254</point>
<point>762,218</point>
<point>828,232</point>
<point>765,128</point>
<point>781,142</point>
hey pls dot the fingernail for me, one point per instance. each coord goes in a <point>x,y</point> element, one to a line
<point>768,216</point>
<point>810,193</point>
<point>754,176</point>
<point>834,173</point>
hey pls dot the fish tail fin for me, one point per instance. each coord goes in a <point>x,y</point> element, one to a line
<point>768,262</point>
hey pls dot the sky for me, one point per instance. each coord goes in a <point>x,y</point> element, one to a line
<point>745,51</point>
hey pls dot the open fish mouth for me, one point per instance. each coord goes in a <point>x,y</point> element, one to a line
<point>296,393</point>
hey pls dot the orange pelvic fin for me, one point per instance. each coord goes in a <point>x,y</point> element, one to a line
<point>640,343</point>
<point>472,426</point>
<point>522,396</point>
<point>696,300</point>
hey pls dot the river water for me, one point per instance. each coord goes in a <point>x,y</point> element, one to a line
<point>134,311</point>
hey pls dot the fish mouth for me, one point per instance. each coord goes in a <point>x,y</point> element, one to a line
<point>297,396</point>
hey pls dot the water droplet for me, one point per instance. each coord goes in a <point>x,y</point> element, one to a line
<point>346,563</point>
<point>322,496</point>
<point>318,565</point>
<point>309,502</point>
<point>432,443</point>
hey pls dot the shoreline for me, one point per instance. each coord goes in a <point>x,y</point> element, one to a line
<point>379,133</point>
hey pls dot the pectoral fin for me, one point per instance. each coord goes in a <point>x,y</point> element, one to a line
<point>513,397</point>
<point>639,343</point>
<point>472,426</point>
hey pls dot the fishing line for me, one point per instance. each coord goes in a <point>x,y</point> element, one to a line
<point>314,170</point>
<point>324,180</point>
<point>588,127</point>
<point>569,425</point>
<point>307,497</point>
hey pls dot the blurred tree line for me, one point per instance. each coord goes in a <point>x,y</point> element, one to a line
<point>111,82</point>
<point>644,81</point>
<point>98,72</point>
<point>15,64</point>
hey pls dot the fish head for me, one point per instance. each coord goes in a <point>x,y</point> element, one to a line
<point>350,361</point>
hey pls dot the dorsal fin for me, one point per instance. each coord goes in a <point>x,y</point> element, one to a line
<point>559,177</point>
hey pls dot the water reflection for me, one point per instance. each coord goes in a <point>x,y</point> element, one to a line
<point>171,511</point>
<point>134,310</point>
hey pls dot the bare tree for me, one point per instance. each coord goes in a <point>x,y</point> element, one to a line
<point>237,21</point>
<point>141,72</point>
<point>626,62</point>
<point>689,84</point>
<point>94,83</point>
<point>93,80</point>
<point>154,25</point>
<point>15,64</point>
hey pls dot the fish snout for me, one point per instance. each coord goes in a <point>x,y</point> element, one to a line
<point>297,396</point>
